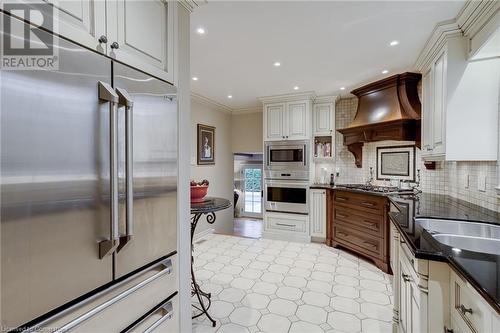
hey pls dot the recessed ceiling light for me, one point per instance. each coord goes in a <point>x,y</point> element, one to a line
<point>195,78</point>
<point>342,88</point>
<point>385,71</point>
<point>200,31</point>
<point>277,64</point>
<point>394,43</point>
<point>296,88</point>
<point>229,96</point>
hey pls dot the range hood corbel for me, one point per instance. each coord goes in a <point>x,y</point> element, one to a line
<point>388,109</point>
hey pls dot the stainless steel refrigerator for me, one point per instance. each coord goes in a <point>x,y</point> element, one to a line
<point>88,179</point>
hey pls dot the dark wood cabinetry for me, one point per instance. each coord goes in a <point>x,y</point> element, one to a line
<point>359,222</point>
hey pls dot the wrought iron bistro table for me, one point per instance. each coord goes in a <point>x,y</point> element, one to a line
<point>207,207</point>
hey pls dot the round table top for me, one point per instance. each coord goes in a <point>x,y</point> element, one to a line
<point>209,205</point>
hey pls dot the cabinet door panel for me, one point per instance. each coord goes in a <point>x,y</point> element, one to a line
<point>322,119</point>
<point>274,114</point>
<point>297,120</point>
<point>427,114</point>
<point>82,21</point>
<point>439,100</point>
<point>143,31</point>
<point>318,213</point>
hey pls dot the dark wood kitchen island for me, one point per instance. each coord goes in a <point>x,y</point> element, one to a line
<point>358,220</point>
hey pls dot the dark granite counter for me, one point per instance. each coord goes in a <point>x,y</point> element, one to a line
<point>481,270</point>
<point>342,188</point>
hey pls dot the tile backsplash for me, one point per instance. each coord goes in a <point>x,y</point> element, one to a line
<point>449,177</point>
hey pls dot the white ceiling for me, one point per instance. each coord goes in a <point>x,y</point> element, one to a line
<point>322,46</point>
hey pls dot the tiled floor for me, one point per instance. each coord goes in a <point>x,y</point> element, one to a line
<point>261,285</point>
<point>247,227</point>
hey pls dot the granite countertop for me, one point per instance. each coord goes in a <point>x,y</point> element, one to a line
<point>343,188</point>
<point>481,270</point>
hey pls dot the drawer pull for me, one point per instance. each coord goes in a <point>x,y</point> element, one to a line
<point>167,269</point>
<point>286,225</point>
<point>342,234</point>
<point>370,245</point>
<point>341,199</point>
<point>367,203</point>
<point>465,310</point>
<point>342,215</point>
<point>370,224</point>
<point>168,312</point>
<point>406,277</point>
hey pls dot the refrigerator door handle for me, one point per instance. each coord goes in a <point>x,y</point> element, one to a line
<point>107,94</point>
<point>125,100</point>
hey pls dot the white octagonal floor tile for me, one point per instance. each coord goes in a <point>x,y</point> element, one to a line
<point>231,295</point>
<point>221,309</point>
<point>315,298</point>
<point>345,291</point>
<point>245,316</point>
<point>232,328</point>
<point>256,301</point>
<point>264,288</point>
<point>312,314</point>
<point>344,304</point>
<point>295,281</point>
<point>282,307</point>
<point>242,283</point>
<point>290,293</point>
<point>344,321</point>
<point>272,323</point>
<point>377,311</point>
<point>303,327</point>
<point>375,297</point>
<point>375,326</point>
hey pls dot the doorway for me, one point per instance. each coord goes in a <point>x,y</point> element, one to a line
<point>252,190</point>
<point>248,185</point>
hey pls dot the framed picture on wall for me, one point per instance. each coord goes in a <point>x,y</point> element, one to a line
<point>206,145</point>
<point>396,162</point>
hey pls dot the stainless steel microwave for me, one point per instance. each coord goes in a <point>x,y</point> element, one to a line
<point>286,159</point>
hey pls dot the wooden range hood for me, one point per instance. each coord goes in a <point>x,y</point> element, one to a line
<point>388,109</point>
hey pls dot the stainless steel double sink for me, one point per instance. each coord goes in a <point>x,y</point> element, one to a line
<point>460,235</point>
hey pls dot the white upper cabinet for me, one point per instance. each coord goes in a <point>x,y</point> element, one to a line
<point>460,106</point>
<point>297,116</point>
<point>139,35</point>
<point>324,118</point>
<point>274,121</point>
<point>287,117</point>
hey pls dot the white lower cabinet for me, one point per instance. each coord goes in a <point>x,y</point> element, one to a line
<point>420,289</point>
<point>469,311</point>
<point>318,213</point>
<point>289,227</point>
<point>146,300</point>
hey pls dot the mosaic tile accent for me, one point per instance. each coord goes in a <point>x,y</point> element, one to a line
<point>332,291</point>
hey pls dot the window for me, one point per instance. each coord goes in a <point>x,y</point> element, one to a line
<point>252,176</point>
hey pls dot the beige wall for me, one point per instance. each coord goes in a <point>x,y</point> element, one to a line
<point>219,175</point>
<point>247,132</point>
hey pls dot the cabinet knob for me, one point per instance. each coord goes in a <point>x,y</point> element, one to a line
<point>406,277</point>
<point>103,39</point>
<point>115,45</point>
<point>448,330</point>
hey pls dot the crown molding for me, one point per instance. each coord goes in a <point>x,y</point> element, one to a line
<point>441,33</point>
<point>471,18</point>
<point>326,99</point>
<point>255,109</point>
<point>288,97</point>
<point>211,103</point>
<point>191,5</point>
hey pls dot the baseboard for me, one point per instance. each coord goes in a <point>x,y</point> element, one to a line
<point>202,234</point>
<point>316,239</point>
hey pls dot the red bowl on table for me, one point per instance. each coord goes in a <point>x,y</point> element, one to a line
<point>198,193</point>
